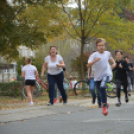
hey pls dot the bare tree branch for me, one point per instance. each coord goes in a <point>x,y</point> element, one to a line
<point>70,20</point>
<point>98,16</point>
<point>69,33</point>
<point>79,5</point>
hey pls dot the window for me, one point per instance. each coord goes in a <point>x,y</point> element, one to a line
<point>26,53</point>
<point>15,68</point>
<point>7,71</point>
<point>20,52</point>
<point>32,53</point>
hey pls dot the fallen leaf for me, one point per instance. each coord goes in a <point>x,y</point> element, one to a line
<point>21,120</point>
<point>68,112</point>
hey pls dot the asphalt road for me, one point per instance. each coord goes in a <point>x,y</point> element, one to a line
<point>70,119</point>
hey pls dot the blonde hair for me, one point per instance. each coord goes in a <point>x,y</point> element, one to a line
<point>100,40</point>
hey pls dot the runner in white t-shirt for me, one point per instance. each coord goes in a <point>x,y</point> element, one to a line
<point>100,60</point>
<point>55,65</point>
<point>29,72</point>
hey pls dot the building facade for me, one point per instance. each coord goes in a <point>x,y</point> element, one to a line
<point>7,74</point>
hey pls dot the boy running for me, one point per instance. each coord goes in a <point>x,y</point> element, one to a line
<point>101,76</point>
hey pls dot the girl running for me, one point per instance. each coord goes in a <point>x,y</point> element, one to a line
<point>29,72</point>
<point>121,76</point>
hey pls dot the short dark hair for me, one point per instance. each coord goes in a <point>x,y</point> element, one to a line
<point>126,57</point>
<point>118,51</point>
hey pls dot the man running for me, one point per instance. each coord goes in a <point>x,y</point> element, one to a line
<point>100,59</point>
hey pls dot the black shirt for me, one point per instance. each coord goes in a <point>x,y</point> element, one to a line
<point>64,69</point>
<point>121,73</point>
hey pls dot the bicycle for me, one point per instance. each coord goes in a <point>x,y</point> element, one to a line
<point>37,89</point>
<point>82,86</point>
<point>41,85</point>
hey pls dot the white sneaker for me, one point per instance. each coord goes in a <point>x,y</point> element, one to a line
<point>31,103</point>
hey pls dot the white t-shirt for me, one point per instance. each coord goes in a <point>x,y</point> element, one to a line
<point>52,68</point>
<point>110,73</point>
<point>29,72</point>
<point>101,67</point>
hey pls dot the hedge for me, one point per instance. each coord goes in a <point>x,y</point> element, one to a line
<point>10,88</point>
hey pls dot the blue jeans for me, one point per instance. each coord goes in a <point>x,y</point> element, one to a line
<point>56,79</point>
<point>55,93</point>
<point>101,86</point>
<point>92,90</point>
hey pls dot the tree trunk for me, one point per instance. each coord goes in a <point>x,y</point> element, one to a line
<point>82,59</point>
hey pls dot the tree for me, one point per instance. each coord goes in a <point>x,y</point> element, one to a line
<point>35,61</point>
<point>99,18</point>
<point>16,32</point>
<point>76,63</point>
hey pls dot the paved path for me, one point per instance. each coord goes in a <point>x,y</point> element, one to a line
<point>73,118</point>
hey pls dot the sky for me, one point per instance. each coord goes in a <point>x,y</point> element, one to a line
<point>71,3</point>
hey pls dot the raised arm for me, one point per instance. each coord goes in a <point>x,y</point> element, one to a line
<point>91,63</point>
<point>62,65</point>
<point>113,63</point>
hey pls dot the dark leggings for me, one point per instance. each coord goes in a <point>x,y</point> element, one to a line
<point>120,83</point>
<point>53,79</point>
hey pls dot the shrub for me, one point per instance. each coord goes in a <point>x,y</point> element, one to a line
<point>10,88</point>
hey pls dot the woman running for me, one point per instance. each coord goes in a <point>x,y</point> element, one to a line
<point>29,72</point>
<point>55,65</point>
<point>121,76</point>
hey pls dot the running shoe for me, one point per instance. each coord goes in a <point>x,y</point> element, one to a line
<point>104,111</point>
<point>55,100</point>
<point>49,104</point>
<point>118,104</point>
<point>93,101</point>
<point>126,99</point>
<point>99,105</point>
<point>30,103</point>
<point>129,94</point>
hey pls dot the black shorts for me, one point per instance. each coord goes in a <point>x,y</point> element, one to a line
<point>30,82</point>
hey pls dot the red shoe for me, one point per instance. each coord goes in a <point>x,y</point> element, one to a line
<point>104,111</point>
<point>55,100</point>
